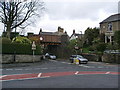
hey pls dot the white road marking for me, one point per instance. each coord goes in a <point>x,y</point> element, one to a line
<point>76,72</point>
<point>18,79</point>
<point>45,77</point>
<point>107,72</point>
<point>80,74</point>
<point>69,63</point>
<point>18,69</point>
<point>3,76</point>
<point>9,69</point>
<point>39,75</point>
<point>86,66</point>
<point>63,62</point>
<point>53,60</point>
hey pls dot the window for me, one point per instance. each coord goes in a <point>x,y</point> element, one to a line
<point>109,26</point>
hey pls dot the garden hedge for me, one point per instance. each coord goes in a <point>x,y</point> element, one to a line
<point>16,48</point>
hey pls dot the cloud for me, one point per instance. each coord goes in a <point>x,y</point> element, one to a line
<point>79,10</point>
<point>74,14</point>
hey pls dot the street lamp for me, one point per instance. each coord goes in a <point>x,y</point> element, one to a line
<point>41,38</point>
<point>81,42</point>
<point>33,48</point>
<point>42,46</point>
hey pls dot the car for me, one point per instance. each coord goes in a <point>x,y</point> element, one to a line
<point>50,56</point>
<point>80,58</point>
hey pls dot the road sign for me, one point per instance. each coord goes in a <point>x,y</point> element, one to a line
<point>33,46</point>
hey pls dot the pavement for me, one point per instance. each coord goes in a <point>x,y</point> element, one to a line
<point>12,65</point>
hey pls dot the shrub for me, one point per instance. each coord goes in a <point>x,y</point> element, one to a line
<point>101,47</point>
<point>21,40</point>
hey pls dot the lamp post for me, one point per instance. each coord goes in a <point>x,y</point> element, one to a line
<point>41,39</point>
<point>33,48</point>
<point>81,42</point>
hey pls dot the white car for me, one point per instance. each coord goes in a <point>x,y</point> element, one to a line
<point>50,56</point>
<point>80,58</point>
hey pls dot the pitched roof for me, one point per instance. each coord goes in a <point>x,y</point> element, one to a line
<point>76,34</point>
<point>47,33</point>
<point>112,18</point>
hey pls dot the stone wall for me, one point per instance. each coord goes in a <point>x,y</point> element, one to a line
<point>91,57</point>
<point>19,58</point>
<point>111,58</point>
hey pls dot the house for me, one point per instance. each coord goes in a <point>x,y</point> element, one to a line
<point>76,35</point>
<point>109,26</point>
<point>49,38</point>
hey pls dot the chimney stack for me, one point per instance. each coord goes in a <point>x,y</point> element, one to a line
<point>73,31</point>
<point>60,29</point>
<point>40,31</point>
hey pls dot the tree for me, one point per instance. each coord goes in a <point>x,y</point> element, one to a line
<point>71,45</point>
<point>15,13</point>
<point>117,37</point>
<point>90,34</point>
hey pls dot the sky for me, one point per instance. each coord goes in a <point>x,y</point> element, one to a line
<point>73,14</point>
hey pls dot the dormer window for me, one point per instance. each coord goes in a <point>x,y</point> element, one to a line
<point>109,26</point>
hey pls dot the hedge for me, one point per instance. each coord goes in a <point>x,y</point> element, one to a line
<point>16,48</point>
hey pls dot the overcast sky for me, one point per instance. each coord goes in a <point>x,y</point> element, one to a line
<point>74,14</point>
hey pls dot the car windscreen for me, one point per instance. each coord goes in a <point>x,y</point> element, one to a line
<point>73,56</point>
<point>51,54</point>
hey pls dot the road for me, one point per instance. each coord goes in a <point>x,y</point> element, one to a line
<point>60,74</point>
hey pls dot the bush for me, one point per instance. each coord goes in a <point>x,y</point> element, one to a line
<point>21,40</point>
<point>91,48</point>
<point>101,47</point>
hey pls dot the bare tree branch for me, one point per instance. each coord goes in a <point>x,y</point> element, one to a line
<point>17,14</point>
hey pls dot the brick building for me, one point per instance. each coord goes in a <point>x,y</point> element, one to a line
<point>50,40</point>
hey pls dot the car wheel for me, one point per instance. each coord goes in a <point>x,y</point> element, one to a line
<point>79,62</point>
